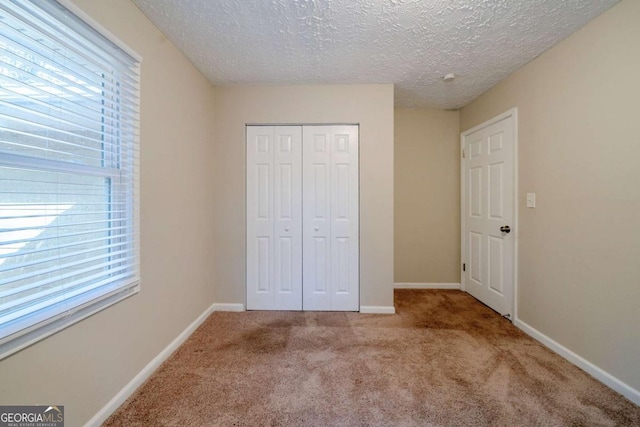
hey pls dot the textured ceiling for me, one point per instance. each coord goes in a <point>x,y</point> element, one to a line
<point>411,43</point>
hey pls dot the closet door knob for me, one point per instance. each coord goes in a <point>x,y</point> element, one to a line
<point>286,229</point>
<point>317,227</point>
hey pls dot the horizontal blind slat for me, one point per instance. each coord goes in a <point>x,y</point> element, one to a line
<point>60,121</point>
<point>40,21</point>
<point>33,164</point>
<point>82,94</point>
<point>27,308</point>
<point>56,227</point>
<point>33,48</point>
<point>55,313</point>
<point>83,233</point>
<point>17,305</point>
<point>8,94</point>
<point>10,266</point>
<point>61,215</point>
<point>15,86</point>
<point>7,290</point>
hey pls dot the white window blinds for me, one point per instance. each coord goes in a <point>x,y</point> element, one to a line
<point>68,171</point>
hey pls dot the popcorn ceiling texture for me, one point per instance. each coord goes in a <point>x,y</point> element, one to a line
<point>411,43</point>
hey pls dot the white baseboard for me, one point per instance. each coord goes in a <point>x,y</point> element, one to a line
<point>146,372</point>
<point>593,370</point>
<point>228,307</point>
<point>426,285</point>
<point>377,309</point>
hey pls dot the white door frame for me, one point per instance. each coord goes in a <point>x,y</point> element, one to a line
<point>513,112</point>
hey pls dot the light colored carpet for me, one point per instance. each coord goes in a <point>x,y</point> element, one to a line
<point>443,360</point>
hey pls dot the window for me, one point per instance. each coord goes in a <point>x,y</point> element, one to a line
<point>68,170</point>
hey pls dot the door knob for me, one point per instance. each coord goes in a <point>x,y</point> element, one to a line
<point>286,229</point>
<point>316,228</point>
<point>505,229</point>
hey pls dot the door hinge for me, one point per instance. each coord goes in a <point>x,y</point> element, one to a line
<point>464,267</point>
<point>463,154</point>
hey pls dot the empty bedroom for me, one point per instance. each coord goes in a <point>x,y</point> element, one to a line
<point>319,212</point>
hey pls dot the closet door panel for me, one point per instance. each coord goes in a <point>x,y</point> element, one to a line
<point>260,236</point>
<point>316,186</point>
<point>274,218</point>
<point>288,218</point>
<point>344,219</point>
<point>330,218</point>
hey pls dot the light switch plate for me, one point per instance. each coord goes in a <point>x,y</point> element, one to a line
<point>531,200</point>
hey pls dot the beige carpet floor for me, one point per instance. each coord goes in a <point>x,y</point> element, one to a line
<point>443,360</point>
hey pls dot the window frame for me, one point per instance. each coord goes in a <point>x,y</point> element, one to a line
<point>117,291</point>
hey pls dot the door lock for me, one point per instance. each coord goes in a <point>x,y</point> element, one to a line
<point>505,229</point>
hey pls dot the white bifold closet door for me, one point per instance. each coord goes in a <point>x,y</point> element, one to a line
<point>302,218</point>
<point>330,218</point>
<point>274,218</point>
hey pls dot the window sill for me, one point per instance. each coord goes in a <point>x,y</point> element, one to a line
<point>13,345</point>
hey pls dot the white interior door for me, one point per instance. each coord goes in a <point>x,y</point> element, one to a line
<point>488,213</point>
<point>330,218</point>
<point>274,221</point>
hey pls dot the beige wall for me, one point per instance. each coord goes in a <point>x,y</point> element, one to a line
<point>579,141</point>
<point>427,196</point>
<point>85,365</point>
<point>369,105</point>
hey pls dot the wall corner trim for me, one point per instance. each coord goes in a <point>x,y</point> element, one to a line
<point>117,400</point>
<point>593,370</point>
<point>377,309</point>
<point>227,307</point>
<point>427,286</point>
